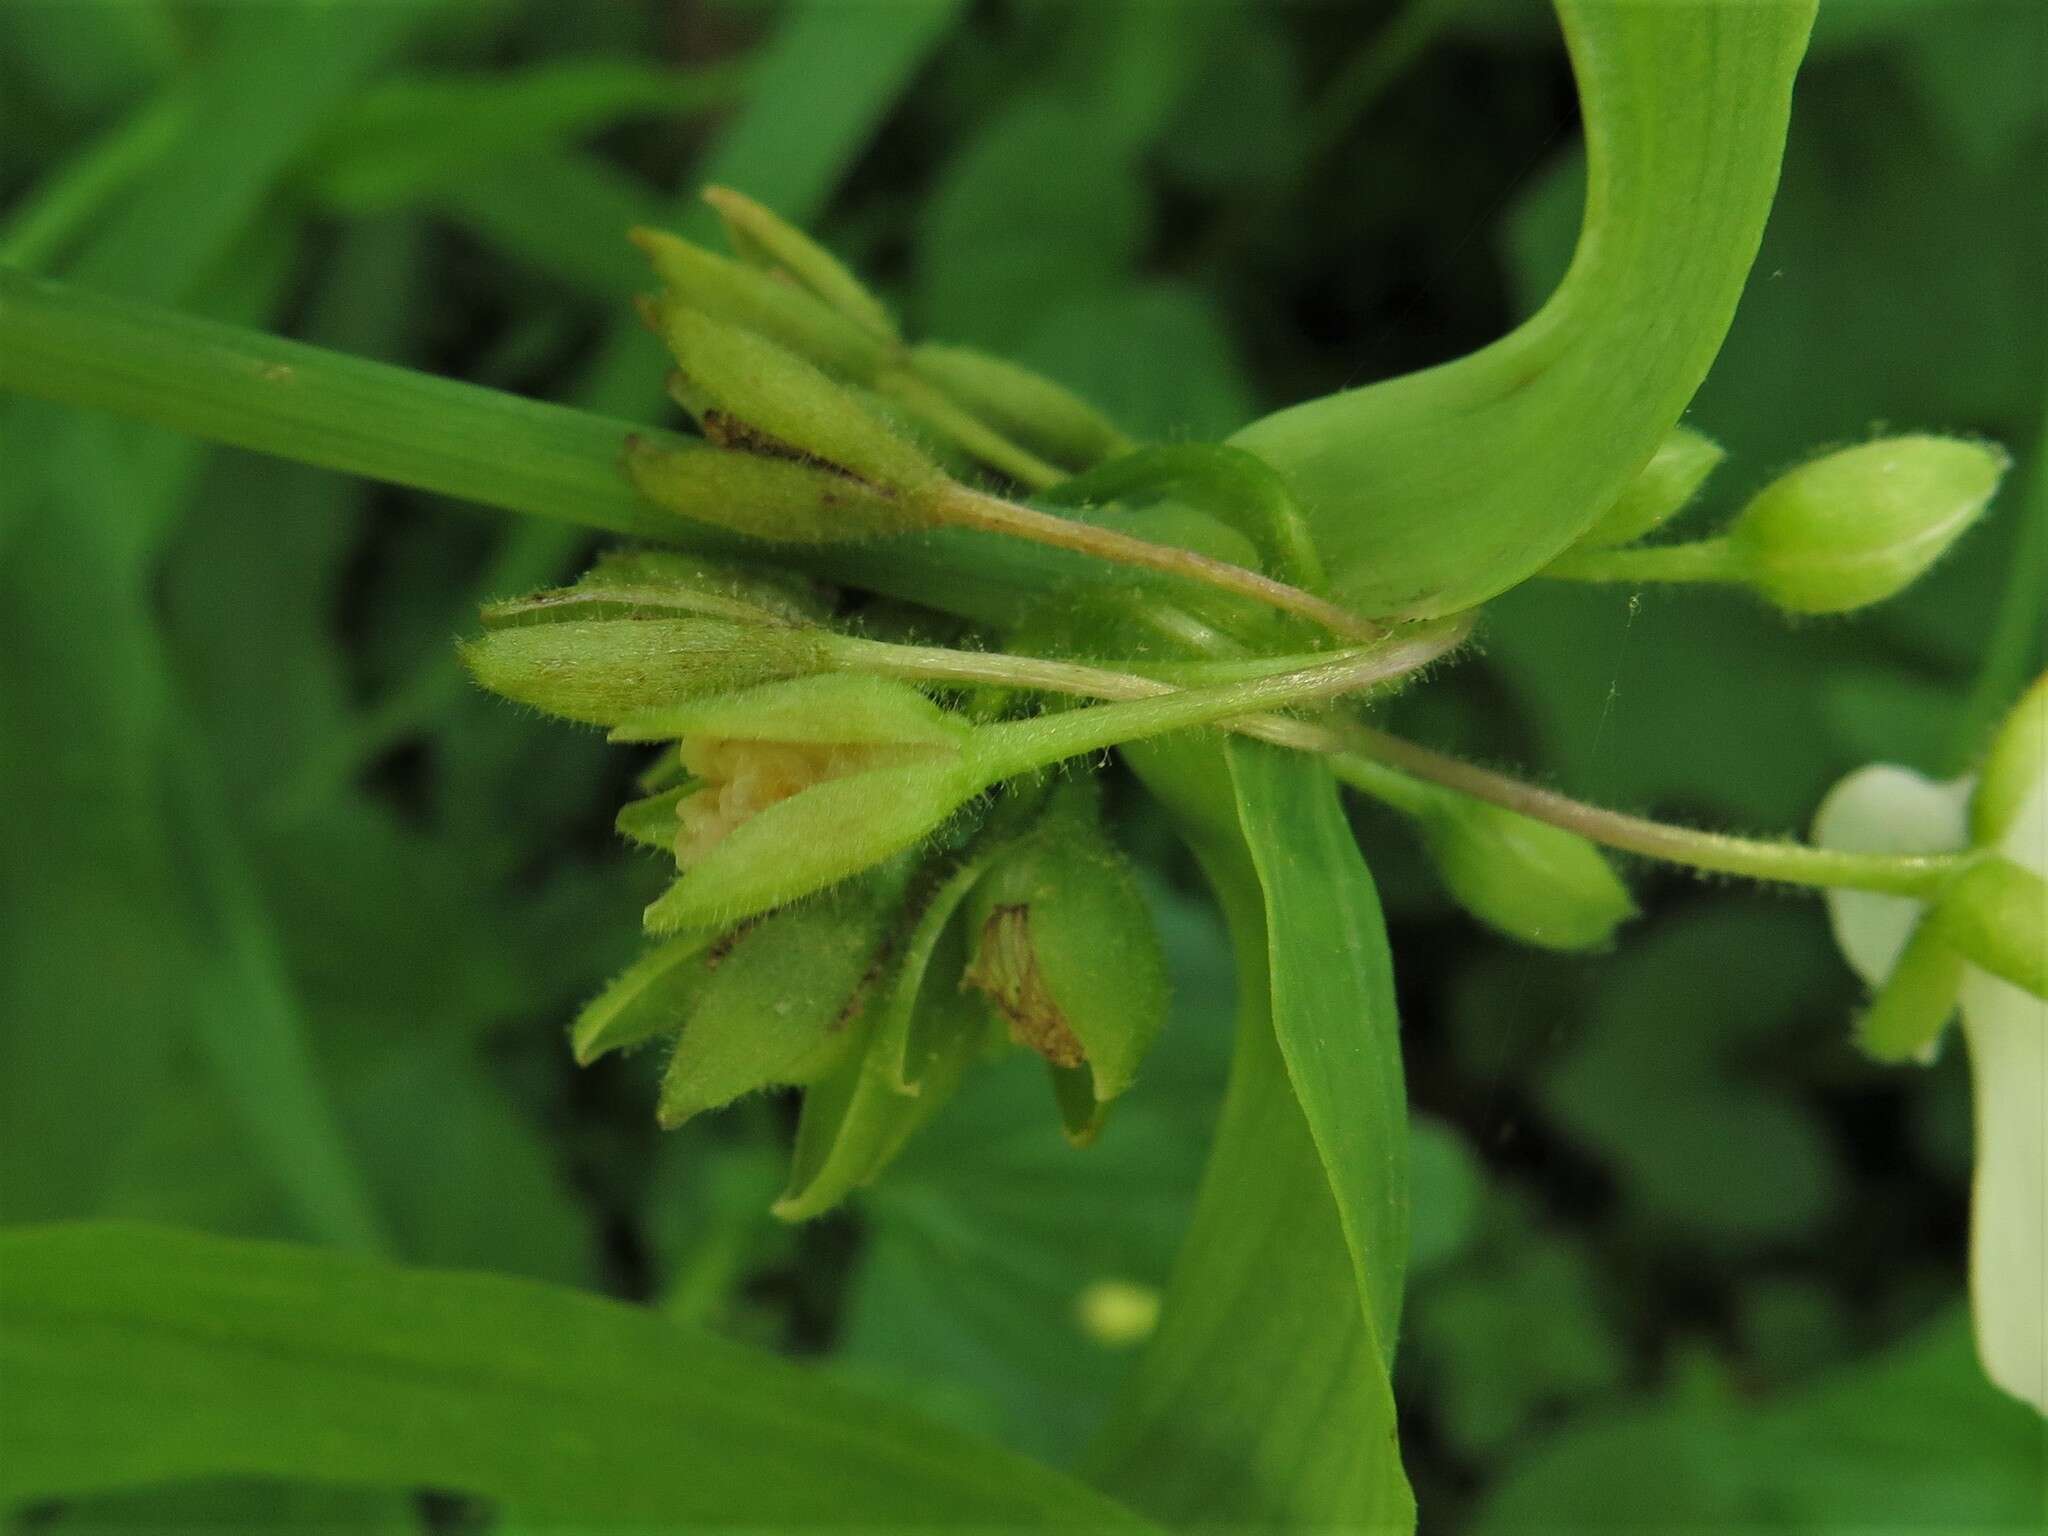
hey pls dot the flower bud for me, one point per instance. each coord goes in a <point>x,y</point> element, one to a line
<point>1663,489</point>
<point>782,501</point>
<point>769,400</point>
<point>1064,947</point>
<point>654,584</point>
<point>766,241</point>
<point>1532,881</point>
<point>762,302</point>
<point>606,670</point>
<point>801,785</point>
<point>782,1002</point>
<point>1052,422</point>
<point>1854,527</point>
<point>2015,773</point>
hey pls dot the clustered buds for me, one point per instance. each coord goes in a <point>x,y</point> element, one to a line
<point>851,914</point>
<point>824,424</point>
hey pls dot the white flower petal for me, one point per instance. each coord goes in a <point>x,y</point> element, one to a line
<point>1885,809</point>
<point>2006,1031</point>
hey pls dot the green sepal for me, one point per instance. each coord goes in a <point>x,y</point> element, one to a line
<point>649,583</point>
<point>603,671</point>
<point>1996,914</point>
<point>765,240</point>
<point>912,1041</point>
<point>2014,769</point>
<point>855,1121</point>
<point>1854,527</point>
<point>651,997</point>
<point>832,707</point>
<point>783,1003</point>
<point>651,822</point>
<point>814,839</point>
<point>1533,882</point>
<point>1908,1013</point>
<point>1073,1094</point>
<point>1661,490</point>
<point>1043,417</point>
<point>765,398</point>
<point>780,501</point>
<point>1064,946</point>
<point>758,300</point>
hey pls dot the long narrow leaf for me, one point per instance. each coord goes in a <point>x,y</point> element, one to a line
<point>136,1356</point>
<point>1264,1399</point>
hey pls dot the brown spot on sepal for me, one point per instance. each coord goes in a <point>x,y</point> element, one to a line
<point>1005,967</point>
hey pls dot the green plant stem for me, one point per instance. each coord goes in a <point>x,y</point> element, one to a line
<point>962,507</point>
<point>1003,751</point>
<point>1706,560</point>
<point>1408,777</point>
<point>320,407</point>
<point>1920,875</point>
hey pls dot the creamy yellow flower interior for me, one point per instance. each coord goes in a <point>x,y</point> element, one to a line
<point>739,778</point>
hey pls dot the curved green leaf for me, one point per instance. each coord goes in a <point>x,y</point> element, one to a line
<point>135,1355</point>
<point>1333,1007</point>
<point>1434,491</point>
<point>1264,1400</point>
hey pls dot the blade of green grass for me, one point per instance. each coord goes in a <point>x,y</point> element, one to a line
<point>420,133</point>
<point>94,723</point>
<point>58,209</point>
<point>138,1356</point>
<point>300,402</point>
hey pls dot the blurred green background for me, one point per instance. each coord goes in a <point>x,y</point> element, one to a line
<point>291,918</point>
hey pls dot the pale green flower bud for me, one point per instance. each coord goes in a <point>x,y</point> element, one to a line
<point>1532,881</point>
<point>768,400</point>
<point>607,670</point>
<point>1063,946</point>
<point>767,241</point>
<point>759,301</point>
<point>1857,526</point>
<point>782,501</point>
<point>1664,488</point>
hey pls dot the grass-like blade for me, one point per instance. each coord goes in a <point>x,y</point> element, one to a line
<point>135,1355</point>
<point>1264,1399</point>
